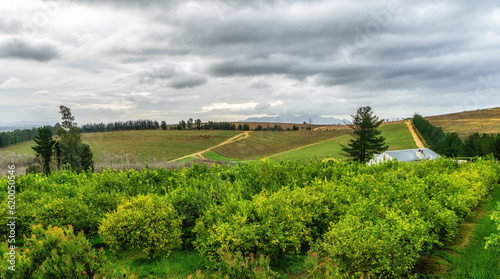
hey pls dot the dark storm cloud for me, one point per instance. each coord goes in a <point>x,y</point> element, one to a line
<point>324,56</point>
<point>39,50</point>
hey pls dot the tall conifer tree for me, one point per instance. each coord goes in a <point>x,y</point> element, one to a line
<point>367,139</point>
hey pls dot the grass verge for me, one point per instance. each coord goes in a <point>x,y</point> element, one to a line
<point>474,261</point>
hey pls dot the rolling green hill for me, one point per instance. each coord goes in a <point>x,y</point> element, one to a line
<point>146,144</point>
<point>264,144</point>
<point>133,148</point>
<point>397,137</point>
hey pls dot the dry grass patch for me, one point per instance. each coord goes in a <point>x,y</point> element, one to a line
<point>468,122</point>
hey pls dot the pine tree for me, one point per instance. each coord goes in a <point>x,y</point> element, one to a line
<point>367,139</point>
<point>44,148</point>
<point>87,158</point>
<point>71,150</point>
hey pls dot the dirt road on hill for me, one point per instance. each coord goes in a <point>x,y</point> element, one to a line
<point>230,140</point>
<point>417,140</point>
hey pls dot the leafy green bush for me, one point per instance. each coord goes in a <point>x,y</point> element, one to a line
<point>55,253</point>
<point>494,239</point>
<point>386,247</point>
<point>65,211</point>
<point>282,223</point>
<point>146,223</point>
<point>189,203</point>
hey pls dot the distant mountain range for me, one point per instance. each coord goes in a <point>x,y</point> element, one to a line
<point>298,119</point>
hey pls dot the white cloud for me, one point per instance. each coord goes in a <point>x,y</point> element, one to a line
<point>229,107</point>
<point>11,83</point>
<point>42,93</point>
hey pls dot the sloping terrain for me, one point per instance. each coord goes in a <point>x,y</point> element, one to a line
<point>264,144</point>
<point>468,122</point>
<point>397,137</point>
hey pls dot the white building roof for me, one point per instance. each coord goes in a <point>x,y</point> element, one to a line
<point>409,155</point>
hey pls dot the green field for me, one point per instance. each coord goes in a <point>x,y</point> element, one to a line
<point>113,148</point>
<point>145,145</point>
<point>397,137</point>
<point>326,149</point>
<point>264,144</point>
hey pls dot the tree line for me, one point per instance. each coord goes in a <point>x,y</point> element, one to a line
<point>141,124</point>
<point>19,136</point>
<point>24,135</point>
<point>451,145</point>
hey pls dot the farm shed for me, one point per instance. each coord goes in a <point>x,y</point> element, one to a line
<point>407,155</point>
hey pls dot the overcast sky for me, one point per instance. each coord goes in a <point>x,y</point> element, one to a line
<point>219,60</point>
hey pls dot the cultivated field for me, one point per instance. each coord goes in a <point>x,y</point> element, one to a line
<point>468,122</point>
<point>264,144</point>
<point>145,145</point>
<point>133,148</point>
<point>397,137</point>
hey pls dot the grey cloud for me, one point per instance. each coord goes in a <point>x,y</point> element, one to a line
<point>187,80</point>
<point>259,84</point>
<point>430,54</point>
<point>10,26</point>
<point>169,75</point>
<point>39,50</point>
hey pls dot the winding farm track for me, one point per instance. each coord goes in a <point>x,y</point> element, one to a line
<point>230,140</point>
<point>417,140</point>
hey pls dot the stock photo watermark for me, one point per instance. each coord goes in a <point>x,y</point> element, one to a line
<point>364,35</point>
<point>40,18</point>
<point>11,218</point>
<point>485,89</point>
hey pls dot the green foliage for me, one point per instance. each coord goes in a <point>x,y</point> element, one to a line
<point>321,268</point>
<point>145,223</point>
<point>70,149</point>
<point>87,158</point>
<point>450,145</point>
<point>44,148</point>
<point>189,203</point>
<point>494,239</point>
<point>367,139</point>
<point>61,212</point>
<point>433,135</point>
<point>235,265</point>
<point>388,247</point>
<point>55,253</point>
<point>355,215</point>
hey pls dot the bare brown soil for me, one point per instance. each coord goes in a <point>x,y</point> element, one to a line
<point>414,135</point>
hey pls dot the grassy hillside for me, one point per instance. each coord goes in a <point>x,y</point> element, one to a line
<point>148,145</point>
<point>145,145</point>
<point>397,137</point>
<point>263,144</point>
<point>468,122</point>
